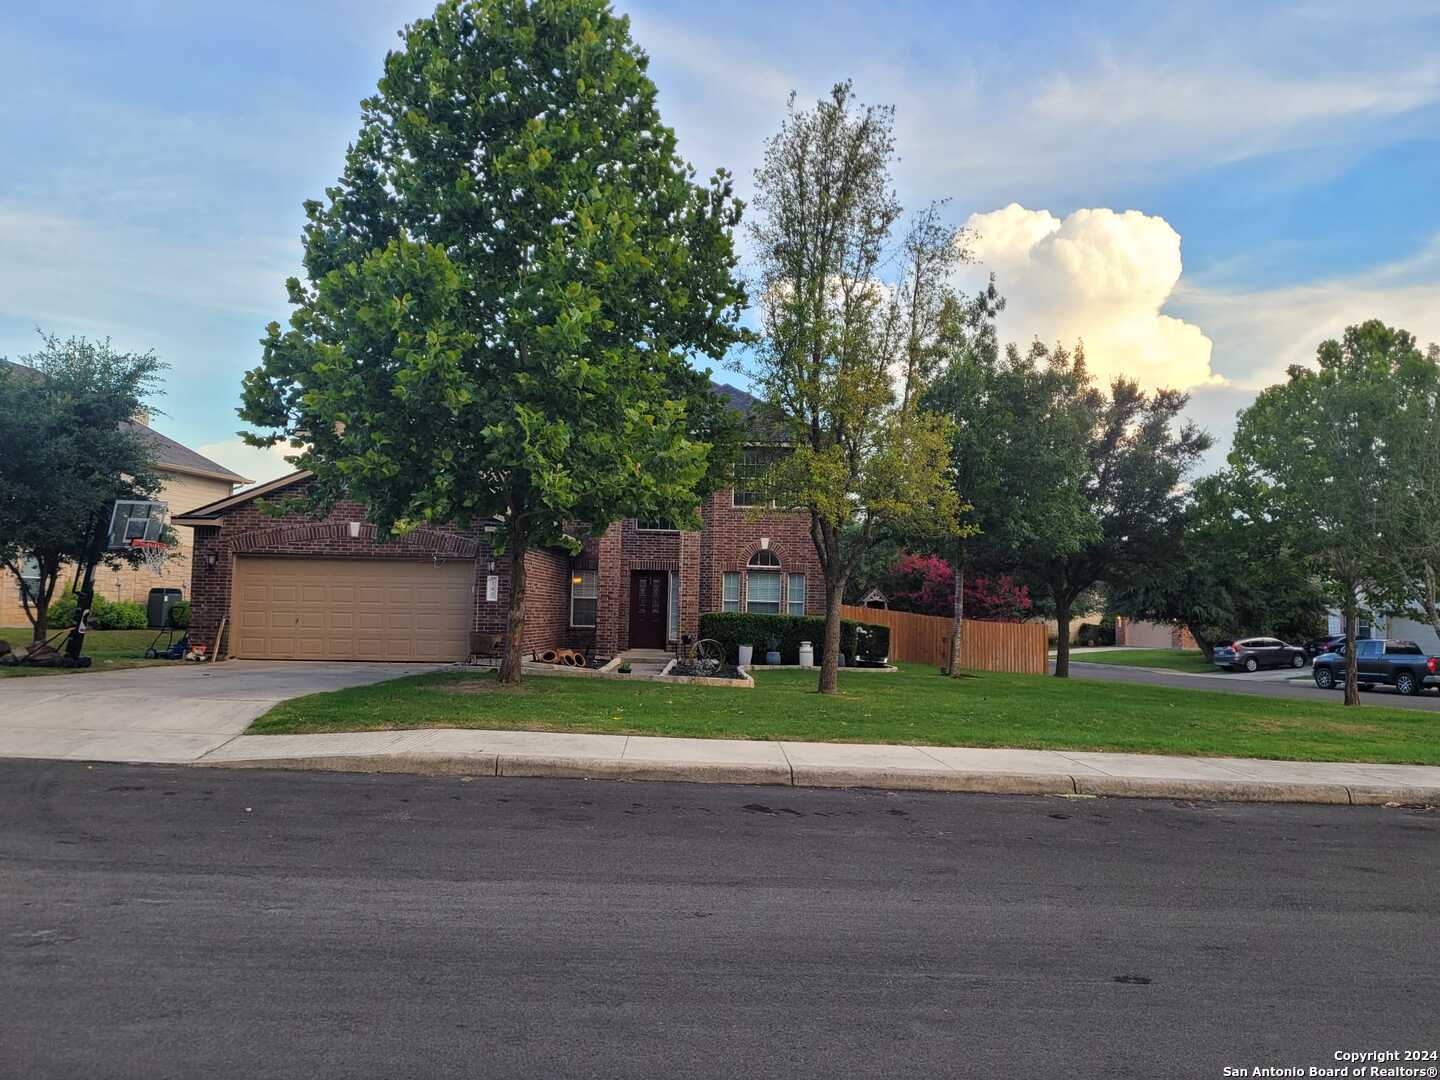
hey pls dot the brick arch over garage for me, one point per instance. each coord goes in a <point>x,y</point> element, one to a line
<point>334,538</point>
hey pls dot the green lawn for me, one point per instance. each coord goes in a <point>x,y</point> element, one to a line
<point>914,705</point>
<point>109,650</point>
<point>1172,659</point>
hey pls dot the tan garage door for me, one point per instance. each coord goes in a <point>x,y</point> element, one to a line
<point>351,609</point>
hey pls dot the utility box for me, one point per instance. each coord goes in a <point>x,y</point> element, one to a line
<point>157,611</point>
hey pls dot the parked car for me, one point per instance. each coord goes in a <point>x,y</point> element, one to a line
<point>1325,644</point>
<point>1392,661</point>
<point>1251,654</point>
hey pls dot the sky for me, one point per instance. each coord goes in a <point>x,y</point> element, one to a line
<point>1202,193</point>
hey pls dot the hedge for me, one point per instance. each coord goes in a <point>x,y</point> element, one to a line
<point>104,614</point>
<point>870,641</point>
<point>180,615</point>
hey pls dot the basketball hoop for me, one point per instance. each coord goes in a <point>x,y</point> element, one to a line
<point>152,554</point>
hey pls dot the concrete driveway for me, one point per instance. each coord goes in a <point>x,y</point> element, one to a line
<point>172,714</point>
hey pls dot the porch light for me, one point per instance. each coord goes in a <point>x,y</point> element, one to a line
<point>576,579</point>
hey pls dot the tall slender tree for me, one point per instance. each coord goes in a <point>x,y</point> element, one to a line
<point>846,354</point>
<point>503,292</point>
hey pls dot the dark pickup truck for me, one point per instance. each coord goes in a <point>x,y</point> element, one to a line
<point>1392,661</point>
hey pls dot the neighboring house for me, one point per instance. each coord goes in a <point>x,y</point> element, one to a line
<point>1416,629</point>
<point>293,587</point>
<point>1152,635</point>
<point>188,480</point>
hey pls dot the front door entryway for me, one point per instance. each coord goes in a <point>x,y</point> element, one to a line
<point>649,593</point>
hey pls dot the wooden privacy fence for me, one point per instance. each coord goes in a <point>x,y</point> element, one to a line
<point>984,646</point>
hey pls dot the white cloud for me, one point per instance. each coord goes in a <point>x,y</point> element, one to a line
<point>1259,333</point>
<point>1097,276</point>
<point>252,462</point>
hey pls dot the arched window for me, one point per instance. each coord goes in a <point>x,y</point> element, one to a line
<point>762,583</point>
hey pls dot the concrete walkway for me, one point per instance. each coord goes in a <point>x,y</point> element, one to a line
<point>621,757</point>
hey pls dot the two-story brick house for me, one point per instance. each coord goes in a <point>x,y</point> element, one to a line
<point>296,588</point>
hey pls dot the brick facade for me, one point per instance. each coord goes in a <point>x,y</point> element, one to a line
<point>728,538</point>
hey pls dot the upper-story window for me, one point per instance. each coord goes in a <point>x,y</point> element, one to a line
<point>750,470</point>
<point>656,525</point>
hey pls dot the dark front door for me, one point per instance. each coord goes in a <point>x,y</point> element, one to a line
<point>647,609</point>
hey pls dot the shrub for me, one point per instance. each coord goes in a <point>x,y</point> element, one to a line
<point>180,615</point>
<point>117,615</point>
<point>1101,633</point>
<point>62,610</point>
<point>735,628</point>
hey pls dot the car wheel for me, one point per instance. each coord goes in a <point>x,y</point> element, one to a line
<point>1298,660</point>
<point>1251,664</point>
<point>1324,678</point>
<point>1406,683</point>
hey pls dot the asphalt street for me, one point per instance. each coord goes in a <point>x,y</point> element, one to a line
<point>1266,684</point>
<point>164,921</point>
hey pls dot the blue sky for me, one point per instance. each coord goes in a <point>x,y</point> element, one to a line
<point>157,153</point>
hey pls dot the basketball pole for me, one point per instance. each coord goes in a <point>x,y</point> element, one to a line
<point>76,641</point>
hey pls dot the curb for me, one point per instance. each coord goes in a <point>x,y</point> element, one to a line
<point>814,776</point>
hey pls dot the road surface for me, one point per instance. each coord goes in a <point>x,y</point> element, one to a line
<point>1265,683</point>
<point>171,922</point>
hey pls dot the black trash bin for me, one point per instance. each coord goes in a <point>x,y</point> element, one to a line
<point>157,611</point>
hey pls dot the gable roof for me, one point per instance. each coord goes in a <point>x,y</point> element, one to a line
<point>736,398</point>
<point>210,513</point>
<point>168,453</point>
<point>172,455</point>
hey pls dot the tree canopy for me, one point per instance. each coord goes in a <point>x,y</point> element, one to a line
<point>504,289</point>
<point>1334,450</point>
<point>70,459</point>
<point>845,354</point>
<point>1128,474</point>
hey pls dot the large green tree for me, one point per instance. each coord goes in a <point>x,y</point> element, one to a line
<point>1130,466</point>
<point>1241,570</point>
<point>1019,424</point>
<point>68,455</point>
<point>504,290</point>
<point>1333,451</point>
<point>845,354</point>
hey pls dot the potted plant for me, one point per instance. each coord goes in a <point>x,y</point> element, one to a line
<point>772,650</point>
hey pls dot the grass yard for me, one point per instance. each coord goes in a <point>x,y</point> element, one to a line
<point>914,705</point>
<point>109,650</point>
<point>1170,659</point>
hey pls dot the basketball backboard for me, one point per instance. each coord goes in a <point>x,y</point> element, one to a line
<point>135,519</point>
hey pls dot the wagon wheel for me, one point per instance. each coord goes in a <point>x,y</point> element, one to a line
<point>707,654</point>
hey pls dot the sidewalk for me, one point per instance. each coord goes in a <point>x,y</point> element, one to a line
<point>453,752</point>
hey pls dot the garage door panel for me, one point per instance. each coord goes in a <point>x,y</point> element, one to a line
<point>351,609</point>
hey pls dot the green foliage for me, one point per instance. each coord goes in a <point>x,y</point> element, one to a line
<point>864,460</point>
<point>104,614</point>
<point>64,610</point>
<point>1241,571</point>
<point>180,615</point>
<point>117,615</point>
<point>1020,424</point>
<point>73,455</point>
<point>503,290</point>
<point>870,641</point>
<point>1118,506</point>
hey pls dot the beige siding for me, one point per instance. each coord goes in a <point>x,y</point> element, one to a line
<point>180,493</point>
<point>351,609</point>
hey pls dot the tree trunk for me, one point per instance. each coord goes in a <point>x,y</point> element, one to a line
<point>1352,680</point>
<point>957,625</point>
<point>830,650</point>
<point>40,620</point>
<point>515,623</point>
<point>1062,640</point>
